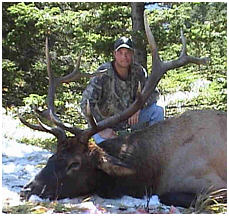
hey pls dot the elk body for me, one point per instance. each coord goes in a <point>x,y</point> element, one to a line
<point>176,158</point>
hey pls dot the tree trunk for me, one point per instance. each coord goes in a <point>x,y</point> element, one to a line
<point>138,34</point>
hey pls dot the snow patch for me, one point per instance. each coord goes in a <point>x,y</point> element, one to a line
<point>20,165</point>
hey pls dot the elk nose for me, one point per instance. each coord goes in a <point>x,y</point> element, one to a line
<point>29,189</point>
<point>25,193</point>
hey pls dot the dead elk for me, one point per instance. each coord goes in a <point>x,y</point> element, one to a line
<point>176,158</point>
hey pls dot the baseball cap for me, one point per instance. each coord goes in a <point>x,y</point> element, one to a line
<point>123,42</point>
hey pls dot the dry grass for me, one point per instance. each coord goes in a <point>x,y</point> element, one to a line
<point>37,208</point>
<point>209,201</point>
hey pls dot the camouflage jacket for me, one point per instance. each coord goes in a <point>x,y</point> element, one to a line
<point>108,94</point>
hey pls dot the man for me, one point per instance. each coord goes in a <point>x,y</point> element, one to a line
<point>115,90</point>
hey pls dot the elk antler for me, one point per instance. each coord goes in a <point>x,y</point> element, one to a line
<point>49,114</point>
<point>54,82</point>
<point>159,68</point>
<point>57,132</point>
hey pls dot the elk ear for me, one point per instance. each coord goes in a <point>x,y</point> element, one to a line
<point>114,166</point>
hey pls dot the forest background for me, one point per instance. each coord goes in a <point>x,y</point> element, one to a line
<point>91,29</point>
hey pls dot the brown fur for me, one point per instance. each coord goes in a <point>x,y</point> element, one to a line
<point>178,157</point>
<point>183,153</point>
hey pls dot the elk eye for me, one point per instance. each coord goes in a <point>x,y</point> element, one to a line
<point>74,166</point>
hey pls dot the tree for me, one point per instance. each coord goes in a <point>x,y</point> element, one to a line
<point>138,32</point>
<point>72,27</point>
<point>92,28</point>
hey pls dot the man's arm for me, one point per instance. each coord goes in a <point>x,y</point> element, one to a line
<point>93,94</point>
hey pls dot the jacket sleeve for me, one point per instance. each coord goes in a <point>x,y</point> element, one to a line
<point>93,93</point>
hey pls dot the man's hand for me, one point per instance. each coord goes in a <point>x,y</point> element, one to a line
<point>107,133</point>
<point>134,118</point>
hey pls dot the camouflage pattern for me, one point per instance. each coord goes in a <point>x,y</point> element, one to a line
<point>108,94</point>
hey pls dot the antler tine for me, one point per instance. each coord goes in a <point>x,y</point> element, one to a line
<point>90,116</point>
<point>183,40</point>
<point>77,75</point>
<point>74,75</point>
<point>59,123</point>
<point>149,35</point>
<point>78,61</point>
<point>184,59</point>
<point>52,83</point>
<point>57,132</point>
<point>32,126</point>
<point>49,115</point>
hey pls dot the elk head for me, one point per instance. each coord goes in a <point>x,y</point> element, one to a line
<point>76,165</point>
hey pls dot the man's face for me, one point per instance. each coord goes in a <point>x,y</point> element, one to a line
<point>123,57</point>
